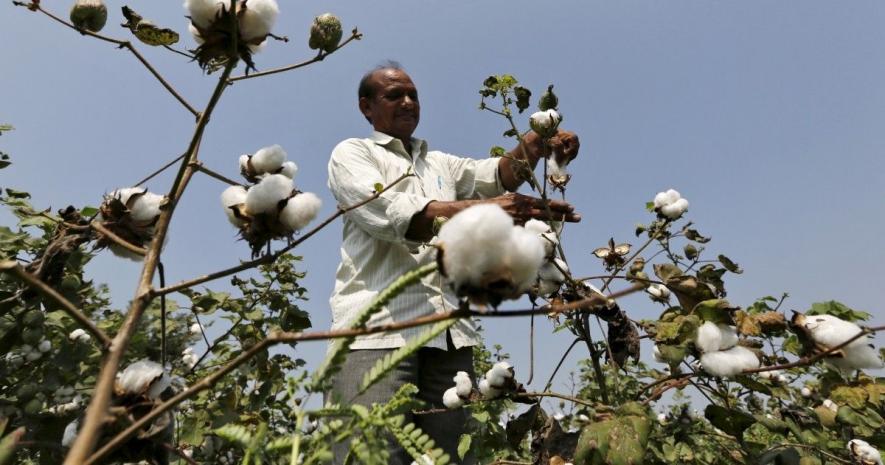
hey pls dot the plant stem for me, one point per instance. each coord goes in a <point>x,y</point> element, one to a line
<point>355,35</point>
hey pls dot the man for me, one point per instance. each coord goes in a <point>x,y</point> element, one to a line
<point>388,236</point>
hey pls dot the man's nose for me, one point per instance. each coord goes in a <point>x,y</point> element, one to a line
<point>408,101</point>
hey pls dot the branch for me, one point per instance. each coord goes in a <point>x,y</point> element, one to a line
<point>160,170</point>
<point>117,239</point>
<point>15,268</point>
<point>35,6</point>
<point>354,35</point>
<point>198,165</point>
<point>587,305</point>
<point>98,406</point>
<point>554,394</point>
<point>809,360</point>
<point>270,258</point>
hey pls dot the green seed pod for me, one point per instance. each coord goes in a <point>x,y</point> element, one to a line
<point>548,100</point>
<point>89,15</point>
<point>32,335</point>
<point>33,319</point>
<point>325,33</point>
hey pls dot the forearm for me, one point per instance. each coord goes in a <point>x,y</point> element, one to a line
<point>514,163</point>
<point>421,226</point>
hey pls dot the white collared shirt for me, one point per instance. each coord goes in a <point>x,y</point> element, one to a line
<point>374,252</point>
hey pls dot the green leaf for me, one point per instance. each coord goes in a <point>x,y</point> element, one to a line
<point>523,96</point>
<point>391,360</point>
<point>17,194</point>
<point>715,310</point>
<point>650,206</point>
<point>88,211</point>
<point>463,445</point>
<point>694,235</point>
<point>839,310</point>
<point>237,434</point>
<point>511,133</point>
<point>497,151</point>
<point>378,187</point>
<point>731,421</point>
<point>666,271</point>
<point>730,265</point>
<point>640,228</point>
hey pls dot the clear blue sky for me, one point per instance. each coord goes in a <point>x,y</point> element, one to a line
<point>767,116</point>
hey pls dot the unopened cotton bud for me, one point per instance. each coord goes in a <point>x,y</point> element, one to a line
<point>89,15</point>
<point>289,169</point>
<point>79,335</point>
<point>451,399</point>
<point>265,196</point>
<point>257,19</point>
<point>463,385</point>
<point>545,123</point>
<point>269,159</point>
<point>300,210</point>
<point>325,33</point>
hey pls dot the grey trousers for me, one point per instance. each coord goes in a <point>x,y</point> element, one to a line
<point>432,371</point>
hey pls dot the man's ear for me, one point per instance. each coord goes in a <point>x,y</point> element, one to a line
<point>365,108</point>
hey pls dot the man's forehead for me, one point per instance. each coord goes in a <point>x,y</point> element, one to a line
<point>391,76</point>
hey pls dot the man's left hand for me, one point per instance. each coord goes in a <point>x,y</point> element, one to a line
<point>564,146</point>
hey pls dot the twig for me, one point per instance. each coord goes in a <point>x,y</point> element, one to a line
<point>178,452</point>
<point>561,360</point>
<point>286,337</point>
<point>200,167</point>
<point>355,35</point>
<point>163,168</point>
<point>15,268</point>
<point>117,239</point>
<point>556,395</point>
<point>97,410</point>
<point>531,350</point>
<point>269,258</point>
<point>121,44</point>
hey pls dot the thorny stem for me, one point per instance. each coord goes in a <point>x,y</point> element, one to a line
<point>122,44</point>
<point>586,305</point>
<point>269,258</point>
<point>15,268</point>
<point>97,410</point>
<point>354,35</point>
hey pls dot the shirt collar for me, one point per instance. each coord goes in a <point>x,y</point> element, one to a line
<point>392,143</point>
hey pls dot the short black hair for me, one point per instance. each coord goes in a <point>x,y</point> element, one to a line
<point>367,90</point>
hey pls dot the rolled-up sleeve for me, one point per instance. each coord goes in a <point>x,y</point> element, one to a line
<point>475,178</point>
<point>352,174</point>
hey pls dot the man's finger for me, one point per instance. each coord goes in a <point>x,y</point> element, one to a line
<point>570,217</point>
<point>556,205</point>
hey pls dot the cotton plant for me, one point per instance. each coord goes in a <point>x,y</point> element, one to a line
<point>210,26</point>
<point>486,257</point>
<point>130,214</point>
<point>271,208</point>
<point>720,354</point>
<point>821,333</point>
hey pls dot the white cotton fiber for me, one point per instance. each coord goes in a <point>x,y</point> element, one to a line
<point>558,174</point>
<point>463,385</point>
<point>666,198</point>
<point>145,208</point>
<point>545,232</point>
<point>269,159</point>
<point>289,169</point>
<point>265,196</point>
<point>258,18</point>
<point>553,270</point>
<point>70,433</point>
<point>488,391</point>
<point>300,210</point>
<point>709,337</point>
<point>233,195</point>
<point>729,336</point>
<point>526,255</point>
<point>729,362</point>
<point>204,12</point>
<point>451,399</point>
<point>675,209</point>
<point>832,331</point>
<point>474,241</point>
<point>143,376</point>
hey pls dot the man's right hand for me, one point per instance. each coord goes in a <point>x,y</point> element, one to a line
<point>523,208</point>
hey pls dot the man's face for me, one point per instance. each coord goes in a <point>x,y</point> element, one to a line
<point>394,109</point>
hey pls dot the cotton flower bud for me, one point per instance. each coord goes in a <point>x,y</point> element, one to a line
<point>545,123</point>
<point>44,346</point>
<point>548,100</point>
<point>266,196</point>
<point>256,19</point>
<point>670,204</point>
<point>89,15</point>
<point>658,292</point>
<point>143,377</point>
<point>451,399</point>
<point>863,453</point>
<point>325,33</point>
<point>300,210</point>
<point>268,159</point>
<point>806,392</point>
<point>79,335</point>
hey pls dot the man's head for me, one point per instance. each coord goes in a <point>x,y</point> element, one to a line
<point>389,100</point>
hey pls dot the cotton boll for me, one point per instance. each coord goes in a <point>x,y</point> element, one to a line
<point>70,433</point>
<point>232,196</point>
<point>258,18</point>
<point>499,374</point>
<point>729,362</point>
<point>555,173</point>
<point>289,169</point>
<point>709,337</point>
<point>123,194</point>
<point>195,33</point>
<point>268,159</point>
<point>548,236</point>
<point>675,209</point>
<point>729,336</point>
<point>553,270</point>
<point>300,210</point>
<point>665,198</point>
<point>806,392</point>
<point>857,357</point>
<point>670,204</point>
<point>146,208</point>
<point>525,257</point>
<point>79,335</point>
<point>545,122</point>
<point>451,399</point>
<point>463,385</point>
<point>204,12</point>
<point>831,331</point>
<point>244,163</point>
<point>195,328</point>
<point>139,376</point>
<point>473,241</point>
<point>189,358</point>
<point>863,453</point>
<point>662,418</point>
<point>123,252</point>
<point>487,390</point>
<point>265,196</point>
<point>659,291</point>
